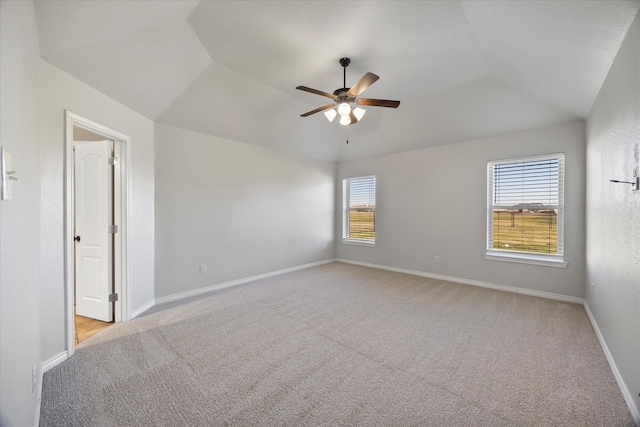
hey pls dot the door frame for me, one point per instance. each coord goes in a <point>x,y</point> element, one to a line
<point>121,217</point>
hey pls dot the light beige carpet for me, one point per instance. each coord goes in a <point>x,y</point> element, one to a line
<point>339,345</point>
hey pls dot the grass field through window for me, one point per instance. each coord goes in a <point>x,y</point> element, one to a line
<point>512,231</point>
<point>525,231</point>
<point>362,224</point>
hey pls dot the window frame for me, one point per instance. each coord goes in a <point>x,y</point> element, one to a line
<point>346,197</point>
<point>534,258</point>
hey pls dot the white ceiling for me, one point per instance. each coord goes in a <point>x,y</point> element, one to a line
<point>462,69</point>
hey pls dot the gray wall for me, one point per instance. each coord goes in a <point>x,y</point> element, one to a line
<point>19,217</point>
<point>60,91</point>
<point>34,95</point>
<point>434,201</point>
<point>613,212</point>
<point>240,209</point>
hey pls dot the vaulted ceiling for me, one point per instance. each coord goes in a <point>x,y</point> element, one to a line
<point>462,69</point>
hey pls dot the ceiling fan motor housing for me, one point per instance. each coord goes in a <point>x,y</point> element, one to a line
<point>343,96</point>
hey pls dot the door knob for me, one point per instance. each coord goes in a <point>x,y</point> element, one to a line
<point>77,238</point>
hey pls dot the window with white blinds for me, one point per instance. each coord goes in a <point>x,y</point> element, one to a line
<point>526,208</point>
<point>359,210</point>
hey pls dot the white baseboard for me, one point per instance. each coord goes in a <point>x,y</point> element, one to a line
<point>46,365</point>
<point>219,286</point>
<point>626,393</point>
<point>548,295</point>
<point>39,398</point>
<point>54,361</point>
<point>142,309</point>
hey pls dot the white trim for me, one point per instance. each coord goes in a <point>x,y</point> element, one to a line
<point>39,398</point>
<point>522,257</point>
<point>44,367</point>
<point>36,422</point>
<point>224,285</point>
<point>54,361</point>
<point>541,294</point>
<point>122,204</point>
<point>359,242</point>
<point>346,201</point>
<point>526,259</point>
<point>142,309</point>
<point>532,158</point>
<point>626,393</point>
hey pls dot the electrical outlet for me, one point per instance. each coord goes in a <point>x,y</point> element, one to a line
<point>34,378</point>
<point>593,289</point>
<point>203,268</point>
<point>437,258</point>
<point>324,247</point>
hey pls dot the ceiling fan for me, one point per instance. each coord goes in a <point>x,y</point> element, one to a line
<point>344,97</point>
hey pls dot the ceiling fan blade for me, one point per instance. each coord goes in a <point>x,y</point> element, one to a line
<point>317,110</point>
<point>353,118</point>
<point>366,81</point>
<point>378,102</point>
<point>316,91</point>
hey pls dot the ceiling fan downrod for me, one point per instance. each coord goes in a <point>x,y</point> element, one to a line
<point>345,63</point>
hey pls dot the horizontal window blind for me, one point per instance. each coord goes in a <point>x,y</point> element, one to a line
<point>359,208</point>
<point>526,209</point>
<point>532,183</point>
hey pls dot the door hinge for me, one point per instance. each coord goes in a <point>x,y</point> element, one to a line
<point>113,297</point>
<point>113,229</point>
<point>113,160</point>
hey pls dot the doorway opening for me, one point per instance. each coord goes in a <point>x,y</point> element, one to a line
<point>96,227</point>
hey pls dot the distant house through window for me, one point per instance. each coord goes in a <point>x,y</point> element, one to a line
<point>526,210</point>
<point>359,210</point>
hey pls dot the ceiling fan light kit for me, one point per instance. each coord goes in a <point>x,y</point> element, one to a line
<point>344,99</point>
<point>331,114</point>
<point>344,109</point>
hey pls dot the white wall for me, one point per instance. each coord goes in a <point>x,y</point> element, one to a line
<point>61,91</point>
<point>240,209</point>
<point>434,201</point>
<point>613,213</point>
<point>19,217</point>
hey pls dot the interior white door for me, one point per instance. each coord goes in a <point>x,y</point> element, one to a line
<point>93,242</point>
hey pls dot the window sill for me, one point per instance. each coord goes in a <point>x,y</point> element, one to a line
<point>354,242</point>
<point>526,259</point>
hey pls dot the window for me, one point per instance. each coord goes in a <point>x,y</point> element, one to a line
<point>359,210</point>
<point>526,210</point>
